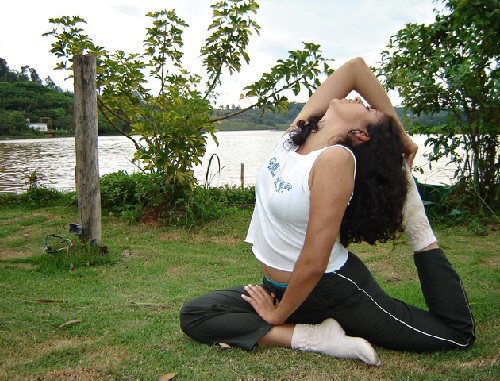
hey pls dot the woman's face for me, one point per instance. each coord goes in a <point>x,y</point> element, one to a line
<point>353,112</point>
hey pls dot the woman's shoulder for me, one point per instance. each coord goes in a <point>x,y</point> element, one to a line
<point>336,157</point>
<point>335,168</point>
<point>335,152</point>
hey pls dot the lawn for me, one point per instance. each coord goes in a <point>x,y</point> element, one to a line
<point>120,320</point>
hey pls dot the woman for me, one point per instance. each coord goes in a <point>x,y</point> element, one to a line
<point>339,173</point>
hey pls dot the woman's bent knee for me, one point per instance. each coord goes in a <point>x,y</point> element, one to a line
<point>188,317</point>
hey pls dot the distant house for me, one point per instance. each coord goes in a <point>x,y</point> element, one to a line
<point>39,126</point>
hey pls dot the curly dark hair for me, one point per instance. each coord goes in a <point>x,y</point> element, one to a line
<point>375,210</point>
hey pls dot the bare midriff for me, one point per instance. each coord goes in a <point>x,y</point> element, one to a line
<point>275,275</point>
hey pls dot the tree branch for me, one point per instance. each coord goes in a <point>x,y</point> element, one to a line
<point>103,106</point>
<point>232,115</point>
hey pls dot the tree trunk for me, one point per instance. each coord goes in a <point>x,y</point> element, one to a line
<point>87,164</point>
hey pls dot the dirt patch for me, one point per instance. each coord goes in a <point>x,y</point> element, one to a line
<point>102,358</point>
<point>9,254</point>
<point>73,374</point>
<point>478,363</point>
<point>179,236</point>
<point>392,267</point>
<point>492,262</point>
<point>173,236</point>
<point>48,347</point>
<point>179,271</point>
<point>219,239</point>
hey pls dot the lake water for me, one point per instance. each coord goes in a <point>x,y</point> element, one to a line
<point>55,159</point>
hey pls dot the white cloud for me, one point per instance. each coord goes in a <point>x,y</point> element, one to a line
<point>343,29</point>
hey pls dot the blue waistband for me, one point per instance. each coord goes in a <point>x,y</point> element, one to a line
<point>276,284</point>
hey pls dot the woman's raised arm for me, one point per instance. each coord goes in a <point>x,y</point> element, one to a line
<point>355,75</point>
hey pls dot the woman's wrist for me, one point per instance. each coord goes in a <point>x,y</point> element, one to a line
<point>278,318</point>
<point>410,148</point>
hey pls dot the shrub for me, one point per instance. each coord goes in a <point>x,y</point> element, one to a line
<point>38,193</point>
<point>457,205</point>
<point>131,195</point>
<point>205,204</point>
<point>149,196</point>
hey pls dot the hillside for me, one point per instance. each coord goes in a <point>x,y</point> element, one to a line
<point>253,120</point>
<point>25,98</point>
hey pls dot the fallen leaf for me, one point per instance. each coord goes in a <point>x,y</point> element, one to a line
<point>224,346</point>
<point>150,304</point>
<point>494,228</point>
<point>71,266</point>
<point>127,253</point>
<point>397,279</point>
<point>69,322</point>
<point>26,235</point>
<point>167,377</point>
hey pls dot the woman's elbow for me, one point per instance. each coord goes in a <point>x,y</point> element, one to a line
<point>358,61</point>
<point>316,269</point>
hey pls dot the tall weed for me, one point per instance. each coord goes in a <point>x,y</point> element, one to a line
<point>457,205</point>
<point>72,258</point>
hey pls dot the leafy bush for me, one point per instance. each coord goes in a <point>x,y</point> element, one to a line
<point>118,192</point>
<point>233,195</point>
<point>38,193</point>
<point>206,204</point>
<point>9,199</point>
<point>457,205</point>
<point>41,196</point>
<point>131,195</point>
<point>149,196</point>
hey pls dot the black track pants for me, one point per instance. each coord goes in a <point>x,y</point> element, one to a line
<point>353,298</point>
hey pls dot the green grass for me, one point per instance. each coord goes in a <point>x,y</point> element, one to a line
<point>125,312</point>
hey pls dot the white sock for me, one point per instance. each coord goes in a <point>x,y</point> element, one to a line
<point>415,221</point>
<point>330,339</point>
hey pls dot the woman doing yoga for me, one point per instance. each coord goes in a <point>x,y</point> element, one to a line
<point>338,176</point>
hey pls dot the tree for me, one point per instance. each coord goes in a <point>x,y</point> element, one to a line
<point>175,123</point>
<point>453,65</point>
<point>24,74</point>
<point>12,123</point>
<point>34,76</point>
<point>49,82</point>
<point>6,75</point>
<point>34,101</point>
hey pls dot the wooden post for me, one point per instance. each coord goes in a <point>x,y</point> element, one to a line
<point>242,175</point>
<point>87,164</point>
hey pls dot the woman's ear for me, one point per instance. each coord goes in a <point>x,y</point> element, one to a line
<point>363,137</point>
<point>360,136</point>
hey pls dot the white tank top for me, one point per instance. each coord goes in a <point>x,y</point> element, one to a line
<point>279,222</point>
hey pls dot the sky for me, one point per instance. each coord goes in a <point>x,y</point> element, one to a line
<point>344,29</point>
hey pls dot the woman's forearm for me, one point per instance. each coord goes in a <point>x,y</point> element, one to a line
<point>369,87</point>
<point>302,282</point>
<point>353,75</point>
<point>336,86</point>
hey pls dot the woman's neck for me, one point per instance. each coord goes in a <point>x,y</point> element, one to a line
<point>322,138</point>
